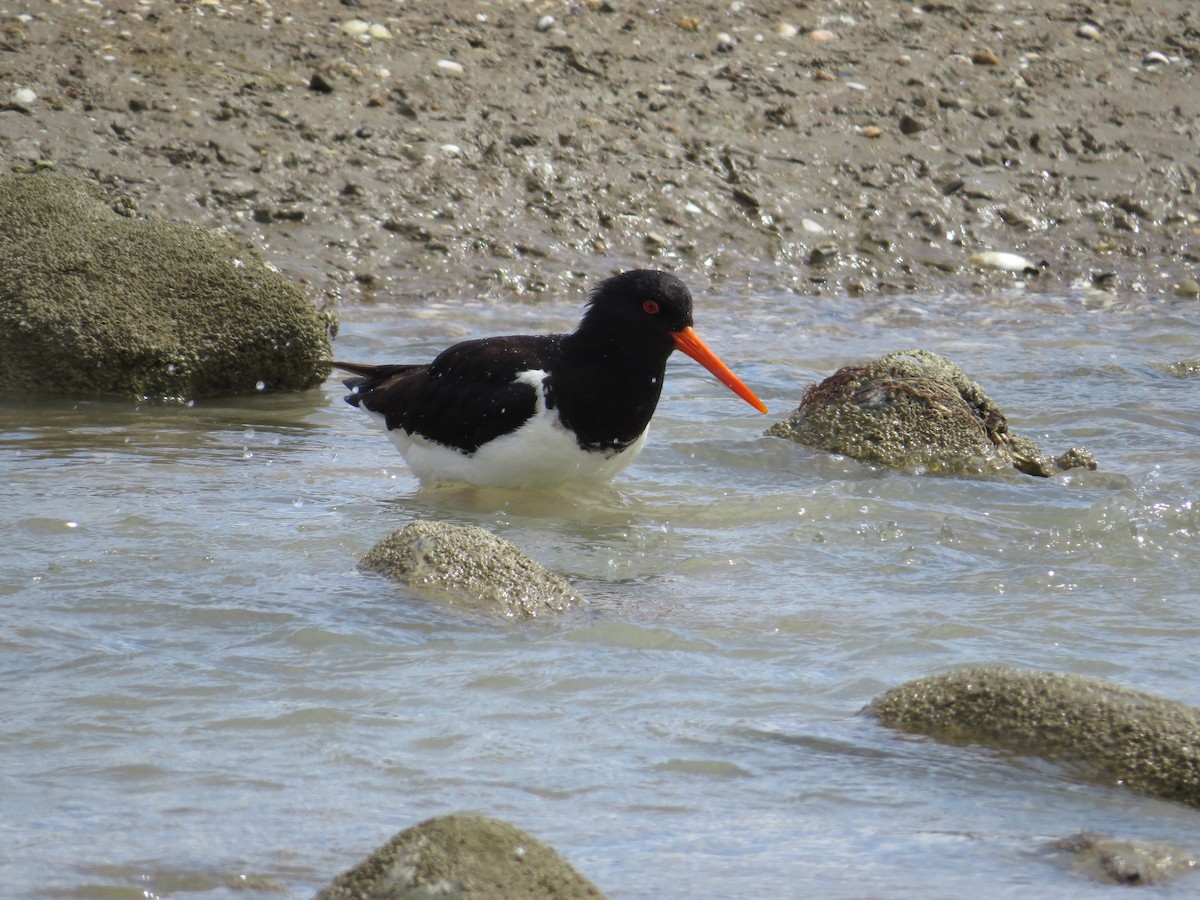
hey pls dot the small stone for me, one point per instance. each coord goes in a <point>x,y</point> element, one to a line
<point>785,29</point>
<point>1088,31</point>
<point>23,97</point>
<point>1015,219</point>
<point>872,131</point>
<point>320,84</point>
<point>811,227</point>
<point>450,67</point>
<point>1154,58</point>
<point>821,34</point>
<point>985,57</point>
<point>545,23</point>
<point>355,27</point>
<point>379,32</point>
<point>451,149</point>
<point>1188,287</point>
<point>725,42</point>
<point>1008,262</point>
<point>822,253</point>
<point>911,125</point>
<point>822,75</point>
<point>689,23</point>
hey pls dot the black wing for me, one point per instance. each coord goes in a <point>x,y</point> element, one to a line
<point>466,397</point>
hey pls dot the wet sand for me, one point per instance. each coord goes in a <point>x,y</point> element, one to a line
<point>507,148</point>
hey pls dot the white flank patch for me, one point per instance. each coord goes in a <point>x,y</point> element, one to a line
<point>540,452</point>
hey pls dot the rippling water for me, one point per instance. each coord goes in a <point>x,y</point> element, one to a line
<point>198,685</point>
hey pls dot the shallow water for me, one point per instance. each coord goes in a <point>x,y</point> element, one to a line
<point>199,688</point>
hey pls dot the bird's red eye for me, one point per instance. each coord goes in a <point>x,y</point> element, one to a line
<point>650,306</point>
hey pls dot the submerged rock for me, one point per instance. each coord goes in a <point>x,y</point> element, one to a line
<point>1123,862</point>
<point>1109,733</point>
<point>94,302</point>
<point>461,856</point>
<point>915,409</point>
<point>469,567</point>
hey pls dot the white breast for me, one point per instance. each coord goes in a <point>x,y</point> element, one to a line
<point>540,452</point>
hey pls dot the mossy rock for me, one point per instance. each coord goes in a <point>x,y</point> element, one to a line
<point>97,303</point>
<point>1110,734</point>
<point>461,856</point>
<point>468,567</point>
<point>913,409</point>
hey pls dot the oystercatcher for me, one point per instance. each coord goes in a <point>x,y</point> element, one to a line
<point>542,409</point>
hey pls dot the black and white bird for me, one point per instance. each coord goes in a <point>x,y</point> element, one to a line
<point>544,409</point>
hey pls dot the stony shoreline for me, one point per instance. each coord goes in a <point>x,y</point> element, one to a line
<point>502,148</point>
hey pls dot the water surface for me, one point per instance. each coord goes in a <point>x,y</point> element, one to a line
<point>199,687</point>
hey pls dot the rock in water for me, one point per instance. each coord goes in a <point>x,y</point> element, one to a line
<point>915,409</point>
<point>1109,733</point>
<point>1115,861</point>
<point>461,856</point>
<point>469,567</point>
<point>94,302</point>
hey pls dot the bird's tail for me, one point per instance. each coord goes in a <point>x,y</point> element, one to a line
<point>368,377</point>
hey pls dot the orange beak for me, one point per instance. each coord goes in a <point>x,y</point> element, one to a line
<point>687,341</point>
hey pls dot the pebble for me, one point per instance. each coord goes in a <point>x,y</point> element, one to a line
<point>1188,287</point>
<point>319,84</point>
<point>23,97</point>
<point>1015,219</point>
<point>1089,31</point>
<point>785,29</point>
<point>872,131</point>
<point>545,23</point>
<point>822,253</point>
<point>1154,58</point>
<point>985,57</point>
<point>451,149</point>
<point>450,67</point>
<point>811,227</point>
<point>822,34</point>
<point>725,42</point>
<point>365,31</point>
<point>1008,262</point>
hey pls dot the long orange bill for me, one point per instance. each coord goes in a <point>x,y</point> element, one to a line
<point>689,342</point>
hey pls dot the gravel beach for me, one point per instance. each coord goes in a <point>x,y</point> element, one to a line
<point>376,148</point>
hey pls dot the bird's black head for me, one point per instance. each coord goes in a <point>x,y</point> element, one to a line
<point>639,305</point>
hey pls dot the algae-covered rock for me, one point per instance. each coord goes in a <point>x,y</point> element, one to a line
<point>461,856</point>
<point>94,302</point>
<point>1109,733</point>
<point>469,567</point>
<point>915,409</point>
<point>1115,861</point>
